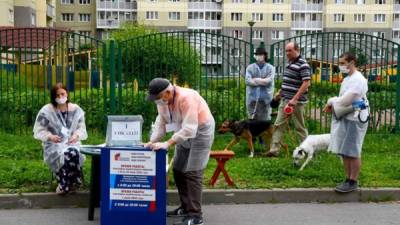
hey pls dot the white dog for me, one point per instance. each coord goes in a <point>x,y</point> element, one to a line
<point>311,145</point>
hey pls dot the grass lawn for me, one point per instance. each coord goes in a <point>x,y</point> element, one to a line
<point>23,170</point>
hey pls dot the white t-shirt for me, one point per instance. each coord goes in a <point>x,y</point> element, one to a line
<point>355,84</point>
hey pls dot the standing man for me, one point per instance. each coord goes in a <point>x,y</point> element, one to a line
<point>185,113</point>
<point>259,87</point>
<point>295,84</point>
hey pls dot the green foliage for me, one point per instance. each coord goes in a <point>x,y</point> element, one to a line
<point>147,54</point>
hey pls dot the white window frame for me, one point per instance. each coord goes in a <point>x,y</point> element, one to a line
<point>237,34</point>
<point>277,35</point>
<point>237,1</point>
<point>257,1</point>
<point>340,2</point>
<point>234,70</point>
<point>235,52</point>
<point>85,17</point>
<point>67,2</point>
<point>359,2</point>
<point>277,17</point>
<point>277,1</point>
<point>338,18</point>
<point>67,17</point>
<point>380,2</point>
<point>152,15</point>
<point>379,18</point>
<point>359,16</point>
<point>235,16</point>
<point>337,52</point>
<point>174,16</point>
<point>84,2</point>
<point>11,15</point>
<point>86,33</point>
<point>257,17</point>
<point>278,52</point>
<point>258,35</point>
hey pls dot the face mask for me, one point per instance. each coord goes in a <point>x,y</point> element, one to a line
<point>161,102</point>
<point>61,101</point>
<point>344,69</point>
<point>259,58</point>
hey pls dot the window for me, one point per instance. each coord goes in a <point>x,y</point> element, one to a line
<point>339,2</point>
<point>67,2</point>
<point>236,16</point>
<point>153,0</point>
<point>237,1</point>
<point>174,16</point>
<point>377,53</point>
<point>33,19</point>
<point>84,17</point>
<point>278,52</point>
<point>277,17</point>
<point>84,2</point>
<point>360,35</point>
<point>277,35</point>
<point>234,69</point>
<point>337,52</point>
<point>237,34</point>
<point>379,18</point>
<point>380,2</point>
<point>359,18</point>
<point>151,15</point>
<point>338,18</point>
<point>235,52</point>
<point>257,1</point>
<point>67,17</point>
<point>11,15</point>
<point>277,1</point>
<point>396,35</point>
<point>258,34</point>
<point>257,17</point>
<point>84,32</point>
<point>174,0</point>
<point>378,34</point>
<point>338,36</point>
<point>359,2</point>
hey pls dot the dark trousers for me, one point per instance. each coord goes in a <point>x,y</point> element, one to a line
<point>189,186</point>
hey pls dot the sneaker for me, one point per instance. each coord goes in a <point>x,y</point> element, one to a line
<point>346,187</point>
<point>191,221</point>
<point>179,212</point>
<point>251,155</point>
<point>272,154</point>
<point>59,191</point>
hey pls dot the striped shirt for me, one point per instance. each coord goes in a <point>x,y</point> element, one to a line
<point>295,73</point>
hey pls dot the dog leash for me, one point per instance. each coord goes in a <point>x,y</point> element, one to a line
<point>256,105</point>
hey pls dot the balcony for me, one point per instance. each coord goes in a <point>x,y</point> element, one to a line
<point>396,7</point>
<point>200,23</point>
<point>201,6</point>
<point>317,24</point>
<point>108,23</point>
<point>396,24</point>
<point>117,5</point>
<point>50,11</point>
<point>304,7</point>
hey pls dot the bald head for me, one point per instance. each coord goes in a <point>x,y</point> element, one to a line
<point>292,50</point>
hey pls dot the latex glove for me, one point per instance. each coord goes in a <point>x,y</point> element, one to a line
<point>74,138</point>
<point>55,138</point>
<point>331,101</point>
<point>160,145</point>
<point>148,144</point>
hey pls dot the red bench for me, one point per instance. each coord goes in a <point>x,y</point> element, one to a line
<point>222,157</point>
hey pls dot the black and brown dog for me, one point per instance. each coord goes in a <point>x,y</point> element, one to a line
<point>249,129</point>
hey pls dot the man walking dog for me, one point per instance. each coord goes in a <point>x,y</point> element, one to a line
<point>296,81</point>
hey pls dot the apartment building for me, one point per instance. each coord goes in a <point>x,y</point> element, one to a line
<point>27,13</point>
<point>77,15</point>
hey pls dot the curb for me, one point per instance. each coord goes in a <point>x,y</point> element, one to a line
<point>214,196</point>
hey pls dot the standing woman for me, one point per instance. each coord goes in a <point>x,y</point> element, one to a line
<point>60,125</point>
<point>347,133</point>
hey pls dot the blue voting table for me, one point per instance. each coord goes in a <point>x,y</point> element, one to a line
<point>133,186</point>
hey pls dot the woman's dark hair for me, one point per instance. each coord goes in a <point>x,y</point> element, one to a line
<point>53,93</point>
<point>349,56</point>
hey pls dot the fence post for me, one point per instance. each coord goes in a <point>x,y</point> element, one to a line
<point>397,124</point>
<point>112,77</point>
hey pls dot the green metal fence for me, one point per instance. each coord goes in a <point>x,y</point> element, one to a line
<point>377,60</point>
<point>34,59</point>
<point>111,77</point>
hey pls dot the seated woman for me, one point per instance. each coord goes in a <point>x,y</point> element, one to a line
<point>60,125</point>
